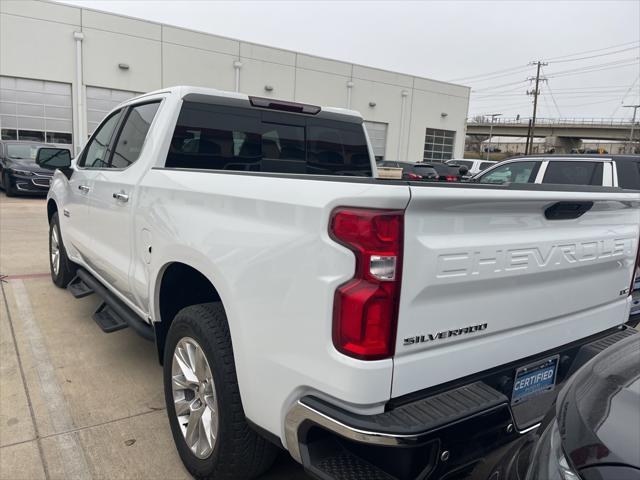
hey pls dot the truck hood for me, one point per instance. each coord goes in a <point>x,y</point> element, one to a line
<point>599,414</point>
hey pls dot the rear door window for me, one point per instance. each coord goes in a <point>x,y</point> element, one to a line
<point>214,137</point>
<point>515,172</point>
<point>573,173</point>
<point>485,165</point>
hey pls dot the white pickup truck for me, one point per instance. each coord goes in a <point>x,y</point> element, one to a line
<point>373,328</point>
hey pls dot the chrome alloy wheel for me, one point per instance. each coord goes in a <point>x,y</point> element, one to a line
<point>194,397</point>
<point>55,251</point>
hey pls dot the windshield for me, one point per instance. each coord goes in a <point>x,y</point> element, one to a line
<point>23,151</point>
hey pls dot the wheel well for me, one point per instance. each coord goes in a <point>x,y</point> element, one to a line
<point>51,209</point>
<point>180,287</point>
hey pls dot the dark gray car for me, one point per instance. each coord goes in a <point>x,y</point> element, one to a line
<point>19,173</point>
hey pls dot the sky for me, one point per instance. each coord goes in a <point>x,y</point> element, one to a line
<point>592,47</point>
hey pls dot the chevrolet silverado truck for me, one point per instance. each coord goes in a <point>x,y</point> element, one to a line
<point>372,328</point>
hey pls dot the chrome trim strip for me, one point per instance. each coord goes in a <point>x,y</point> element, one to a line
<point>530,429</point>
<point>300,412</point>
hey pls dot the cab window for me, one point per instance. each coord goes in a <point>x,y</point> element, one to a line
<point>133,134</point>
<point>96,154</point>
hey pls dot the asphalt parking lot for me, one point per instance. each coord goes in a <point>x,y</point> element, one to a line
<point>75,402</point>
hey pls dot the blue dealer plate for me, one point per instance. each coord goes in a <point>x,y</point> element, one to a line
<point>534,379</point>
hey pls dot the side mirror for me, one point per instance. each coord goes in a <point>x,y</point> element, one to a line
<point>463,170</point>
<point>53,158</point>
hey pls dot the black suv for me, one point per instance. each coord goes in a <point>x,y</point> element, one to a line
<point>19,173</point>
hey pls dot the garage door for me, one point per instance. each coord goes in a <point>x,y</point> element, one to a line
<point>101,101</point>
<point>35,110</point>
<point>377,132</point>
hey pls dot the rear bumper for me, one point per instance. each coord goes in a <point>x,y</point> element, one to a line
<point>442,433</point>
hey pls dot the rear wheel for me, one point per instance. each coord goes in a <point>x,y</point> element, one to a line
<point>205,412</point>
<point>62,269</point>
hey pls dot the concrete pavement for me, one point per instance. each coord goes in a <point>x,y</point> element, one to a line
<point>75,403</point>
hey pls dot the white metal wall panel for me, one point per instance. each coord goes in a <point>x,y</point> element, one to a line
<point>101,101</point>
<point>30,109</point>
<point>377,132</point>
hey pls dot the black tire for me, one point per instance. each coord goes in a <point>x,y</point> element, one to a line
<point>66,269</point>
<point>239,452</point>
<point>6,184</point>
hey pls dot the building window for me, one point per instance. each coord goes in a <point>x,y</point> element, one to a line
<point>438,144</point>
<point>9,134</point>
<point>31,135</point>
<point>58,137</point>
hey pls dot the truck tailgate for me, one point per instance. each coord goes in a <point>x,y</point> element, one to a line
<point>488,279</point>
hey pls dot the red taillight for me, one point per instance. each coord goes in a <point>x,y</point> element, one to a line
<point>451,178</point>
<point>365,309</point>
<point>413,176</point>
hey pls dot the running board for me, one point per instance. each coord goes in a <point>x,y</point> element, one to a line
<point>107,319</point>
<point>78,288</point>
<point>115,311</point>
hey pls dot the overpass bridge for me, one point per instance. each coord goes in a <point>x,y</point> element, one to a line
<point>596,128</point>
<point>562,133</point>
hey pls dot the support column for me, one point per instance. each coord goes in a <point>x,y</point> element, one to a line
<point>80,130</point>
<point>349,87</point>
<point>237,65</point>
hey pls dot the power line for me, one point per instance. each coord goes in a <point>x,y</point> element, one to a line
<point>591,51</point>
<point>625,95</point>
<point>552,97</point>
<point>631,64</point>
<point>595,56</point>
<point>597,65</point>
<point>521,67</point>
<point>555,59</point>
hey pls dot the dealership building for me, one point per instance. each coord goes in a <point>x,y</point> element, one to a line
<point>62,68</point>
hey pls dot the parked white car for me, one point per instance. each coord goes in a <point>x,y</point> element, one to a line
<point>474,166</point>
<point>298,301</point>
<point>599,170</point>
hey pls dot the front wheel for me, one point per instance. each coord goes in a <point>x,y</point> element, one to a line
<point>205,412</point>
<point>6,184</point>
<point>62,269</point>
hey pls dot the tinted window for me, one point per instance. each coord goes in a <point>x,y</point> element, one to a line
<point>226,138</point>
<point>574,173</point>
<point>516,172</point>
<point>466,163</point>
<point>133,134</point>
<point>96,154</point>
<point>426,171</point>
<point>485,165</point>
<point>629,173</point>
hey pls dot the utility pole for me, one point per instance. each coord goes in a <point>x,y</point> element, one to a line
<point>535,93</point>
<point>493,117</point>
<point>633,123</point>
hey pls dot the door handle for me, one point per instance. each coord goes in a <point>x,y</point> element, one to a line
<point>121,197</point>
<point>83,188</point>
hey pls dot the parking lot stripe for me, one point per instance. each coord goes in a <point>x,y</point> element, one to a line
<point>68,445</point>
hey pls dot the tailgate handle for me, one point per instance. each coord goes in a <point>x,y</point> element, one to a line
<point>567,210</point>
